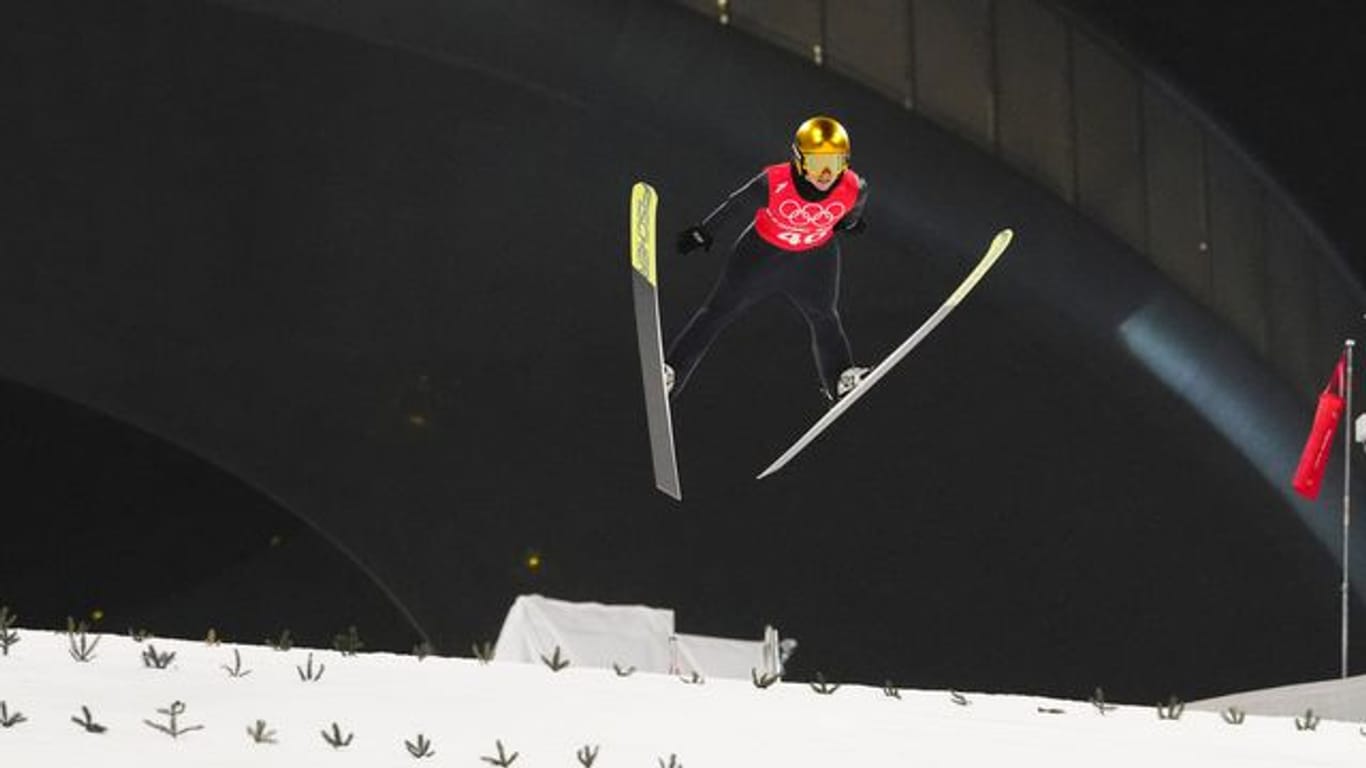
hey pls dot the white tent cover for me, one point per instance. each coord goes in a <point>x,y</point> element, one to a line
<point>603,636</point>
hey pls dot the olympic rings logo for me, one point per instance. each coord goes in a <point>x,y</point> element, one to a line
<point>811,215</point>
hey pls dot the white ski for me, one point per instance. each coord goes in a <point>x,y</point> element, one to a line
<point>998,247</point>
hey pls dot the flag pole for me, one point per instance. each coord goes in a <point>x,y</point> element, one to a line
<point>1347,504</point>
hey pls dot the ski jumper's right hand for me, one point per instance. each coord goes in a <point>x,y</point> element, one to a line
<point>692,238</point>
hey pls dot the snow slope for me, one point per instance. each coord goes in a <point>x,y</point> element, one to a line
<point>463,707</point>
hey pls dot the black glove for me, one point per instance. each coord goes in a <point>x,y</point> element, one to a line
<point>692,238</point>
<point>855,227</point>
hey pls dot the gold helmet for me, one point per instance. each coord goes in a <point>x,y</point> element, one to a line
<point>821,143</point>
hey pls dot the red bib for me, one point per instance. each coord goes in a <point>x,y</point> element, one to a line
<point>794,223</point>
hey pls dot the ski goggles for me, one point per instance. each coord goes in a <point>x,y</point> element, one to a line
<point>815,165</point>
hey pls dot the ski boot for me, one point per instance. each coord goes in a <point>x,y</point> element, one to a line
<point>849,379</point>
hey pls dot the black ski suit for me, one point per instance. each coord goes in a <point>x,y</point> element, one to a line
<point>756,270</point>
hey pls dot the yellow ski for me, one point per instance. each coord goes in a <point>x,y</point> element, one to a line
<point>645,291</point>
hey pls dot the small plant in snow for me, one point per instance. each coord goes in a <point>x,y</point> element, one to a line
<point>138,635</point>
<point>695,679</point>
<point>173,728</point>
<point>284,643</point>
<point>762,681</point>
<point>1050,711</point>
<point>82,647</point>
<point>959,699</point>
<point>623,671</point>
<point>503,759</point>
<point>420,749</point>
<point>260,734</point>
<point>1171,710</point>
<point>822,687</point>
<point>1233,716</point>
<point>587,756</point>
<point>236,669</point>
<point>88,722</point>
<point>483,652</point>
<point>673,762</point>
<point>349,643</point>
<point>890,690</point>
<point>555,662</point>
<point>212,637</point>
<point>1310,722</point>
<point>422,650</point>
<point>309,675</point>
<point>336,739</point>
<point>1098,701</point>
<point>8,636</point>
<point>7,720</point>
<point>151,658</point>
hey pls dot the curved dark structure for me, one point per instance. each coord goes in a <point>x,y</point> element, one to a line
<point>114,528</point>
<point>383,279</point>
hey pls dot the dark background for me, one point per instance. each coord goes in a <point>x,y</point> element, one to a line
<point>1280,77</point>
<point>368,281</point>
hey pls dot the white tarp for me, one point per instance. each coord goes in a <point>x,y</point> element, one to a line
<point>588,634</point>
<point>598,635</point>
<point>721,657</point>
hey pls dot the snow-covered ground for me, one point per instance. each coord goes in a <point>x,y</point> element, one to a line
<point>547,718</point>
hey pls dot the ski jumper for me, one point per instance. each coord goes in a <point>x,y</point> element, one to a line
<point>789,249</point>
